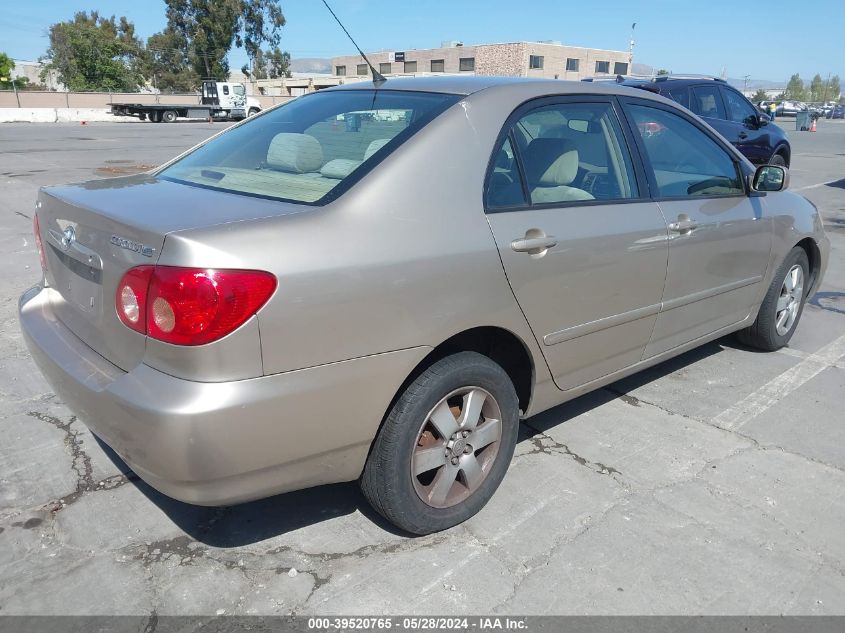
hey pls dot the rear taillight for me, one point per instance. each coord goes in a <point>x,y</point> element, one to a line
<point>131,298</point>
<point>190,306</point>
<point>38,243</point>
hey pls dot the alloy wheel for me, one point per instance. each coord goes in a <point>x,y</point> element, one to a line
<point>789,302</point>
<point>456,447</point>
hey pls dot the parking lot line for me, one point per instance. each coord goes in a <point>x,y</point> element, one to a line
<point>781,386</point>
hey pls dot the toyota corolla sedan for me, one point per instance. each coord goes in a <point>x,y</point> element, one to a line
<point>376,283</point>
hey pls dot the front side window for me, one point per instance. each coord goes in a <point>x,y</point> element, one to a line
<point>305,150</point>
<point>572,64</point>
<point>467,63</point>
<point>437,66</point>
<point>739,109</point>
<point>685,161</point>
<point>570,152</point>
<point>340,71</point>
<point>602,67</point>
<point>707,102</point>
<point>535,61</point>
<point>363,69</point>
<point>239,90</point>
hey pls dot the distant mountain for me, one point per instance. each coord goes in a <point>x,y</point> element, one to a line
<point>311,65</point>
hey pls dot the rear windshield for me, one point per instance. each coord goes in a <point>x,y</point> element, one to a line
<point>311,149</point>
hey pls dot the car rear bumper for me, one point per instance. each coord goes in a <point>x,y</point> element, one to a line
<point>220,443</point>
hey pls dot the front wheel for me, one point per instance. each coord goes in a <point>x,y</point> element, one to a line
<point>782,306</point>
<point>253,111</point>
<point>445,445</point>
<point>169,116</point>
<point>778,160</point>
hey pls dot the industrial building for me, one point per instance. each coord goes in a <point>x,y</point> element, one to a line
<point>549,59</point>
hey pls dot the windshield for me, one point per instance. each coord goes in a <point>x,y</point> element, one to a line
<point>311,149</point>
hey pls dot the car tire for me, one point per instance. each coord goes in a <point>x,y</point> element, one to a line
<point>782,306</point>
<point>168,116</point>
<point>253,112</point>
<point>429,431</point>
<point>778,160</point>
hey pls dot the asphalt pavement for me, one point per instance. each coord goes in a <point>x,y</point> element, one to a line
<point>713,483</point>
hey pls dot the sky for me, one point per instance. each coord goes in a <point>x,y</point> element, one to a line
<point>768,40</point>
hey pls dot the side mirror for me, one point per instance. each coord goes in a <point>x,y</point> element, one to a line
<point>762,119</point>
<point>770,178</point>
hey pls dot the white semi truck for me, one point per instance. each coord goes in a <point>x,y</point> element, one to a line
<point>219,100</point>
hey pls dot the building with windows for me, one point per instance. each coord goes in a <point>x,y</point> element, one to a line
<point>550,59</point>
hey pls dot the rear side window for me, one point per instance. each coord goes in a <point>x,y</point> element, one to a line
<point>685,161</point>
<point>707,102</point>
<point>680,95</point>
<point>569,152</point>
<point>739,109</point>
<point>305,150</point>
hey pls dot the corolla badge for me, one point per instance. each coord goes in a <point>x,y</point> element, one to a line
<point>68,237</point>
<point>130,245</point>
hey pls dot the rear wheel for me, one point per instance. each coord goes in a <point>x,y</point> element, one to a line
<point>445,445</point>
<point>782,307</point>
<point>169,116</point>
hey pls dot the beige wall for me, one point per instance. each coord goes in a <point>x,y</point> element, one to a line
<point>101,99</point>
<point>509,59</point>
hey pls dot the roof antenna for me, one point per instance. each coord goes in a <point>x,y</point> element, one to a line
<point>378,78</point>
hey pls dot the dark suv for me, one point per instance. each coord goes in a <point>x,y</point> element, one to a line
<point>727,111</point>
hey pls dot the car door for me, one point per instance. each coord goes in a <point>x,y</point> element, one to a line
<point>583,247</point>
<point>719,237</point>
<point>743,129</point>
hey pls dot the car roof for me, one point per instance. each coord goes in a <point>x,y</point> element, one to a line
<point>467,85</point>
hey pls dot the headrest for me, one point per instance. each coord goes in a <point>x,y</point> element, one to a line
<point>375,146</point>
<point>551,162</point>
<point>339,168</point>
<point>296,153</point>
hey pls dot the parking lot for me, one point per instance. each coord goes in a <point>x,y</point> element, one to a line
<point>713,483</point>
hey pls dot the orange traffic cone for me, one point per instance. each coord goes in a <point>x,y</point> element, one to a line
<point>813,126</point>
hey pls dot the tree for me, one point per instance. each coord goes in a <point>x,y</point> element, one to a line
<point>211,27</point>
<point>817,88</point>
<point>166,63</point>
<point>91,52</point>
<point>760,95</point>
<point>662,71</point>
<point>7,65</point>
<point>834,88</point>
<point>795,89</point>
<point>279,63</point>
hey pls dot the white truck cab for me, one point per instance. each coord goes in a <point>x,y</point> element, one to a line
<point>230,97</point>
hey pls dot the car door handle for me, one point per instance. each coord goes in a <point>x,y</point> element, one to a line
<point>533,245</point>
<point>683,226</point>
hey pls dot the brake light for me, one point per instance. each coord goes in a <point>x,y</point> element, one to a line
<point>41,254</point>
<point>190,306</point>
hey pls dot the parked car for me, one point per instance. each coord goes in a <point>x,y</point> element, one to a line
<point>295,302</point>
<point>836,112</point>
<point>728,111</point>
<point>791,108</point>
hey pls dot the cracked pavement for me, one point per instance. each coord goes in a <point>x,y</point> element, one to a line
<point>634,499</point>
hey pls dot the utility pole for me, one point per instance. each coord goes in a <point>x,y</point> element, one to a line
<point>745,84</point>
<point>631,50</point>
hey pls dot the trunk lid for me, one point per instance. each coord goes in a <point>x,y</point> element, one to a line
<point>94,232</point>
